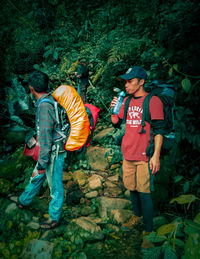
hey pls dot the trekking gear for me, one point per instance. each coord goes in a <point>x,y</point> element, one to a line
<point>117,107</point>
<point>49,224</point>
<point>165,92</point>
<point>92,112</point>
<point>31,147</point>
<point>69,99</point>
<point>76,122</point>
<point>132,223</point>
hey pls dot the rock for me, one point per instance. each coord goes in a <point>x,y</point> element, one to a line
<point>113,228</point>
<point>96,158</point>
<point>90,226</point>
<point>99,137</point>
<point>80,177</point>
<point>114,178</point>
<point>120,216</point>
<point>91,195</point>
<point>39,249</point>
<point>113,191</point>
<point>96,220</point>
<point>109,184</point>
<point>33,225</point>
<point>67,176</point>
<point>115,166</point>
<point>86,210</point>
<point>106,204</point>
<point>95,182</point>
<point>127,193</point>
<point>11,208</point>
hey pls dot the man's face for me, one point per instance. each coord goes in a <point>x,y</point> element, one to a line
<point>132,85</point>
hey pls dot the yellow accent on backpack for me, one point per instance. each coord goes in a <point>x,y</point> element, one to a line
<point>70,100</point>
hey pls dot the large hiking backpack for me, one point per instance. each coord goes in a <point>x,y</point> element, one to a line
<point>166,94</point>
<point>70,100</point>
<point>76,121</point>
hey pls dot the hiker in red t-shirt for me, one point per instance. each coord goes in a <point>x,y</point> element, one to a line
<point>137,172</point>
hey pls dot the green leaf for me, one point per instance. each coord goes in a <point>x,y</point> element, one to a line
<point>197,218</point>
<point>153,253</point>
<point>55,55</point>
<point>169,253</point>
<point>193,224</point>
<point>175,67</point>
<point>179,242</point>
<point>192,246</point>
<point>166,229</point>
<point>47,53</point>
<point>170,73</point>
<point>184,199</point>
<point>178,178</point>
<point>186,84</point>
<point>153,237</point>
<point>36,66</point>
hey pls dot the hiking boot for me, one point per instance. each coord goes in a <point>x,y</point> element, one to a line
<point>132,222</point>
<point>146,243</point>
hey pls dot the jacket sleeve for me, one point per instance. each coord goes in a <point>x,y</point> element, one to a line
<point>45,125</point>
<point>158,127</point>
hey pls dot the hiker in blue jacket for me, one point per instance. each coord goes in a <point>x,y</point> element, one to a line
<point>51,160</point>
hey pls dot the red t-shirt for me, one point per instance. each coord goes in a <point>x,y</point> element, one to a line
<point>134,144</point>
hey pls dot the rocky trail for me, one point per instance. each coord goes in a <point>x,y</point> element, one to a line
<point>95,207</point>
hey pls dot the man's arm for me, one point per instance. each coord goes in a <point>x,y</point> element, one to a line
<point>45,135</point>
<point>157,124</point>
<point>154,162</point>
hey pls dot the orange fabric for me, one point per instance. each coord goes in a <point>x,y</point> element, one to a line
<point>68,97</point>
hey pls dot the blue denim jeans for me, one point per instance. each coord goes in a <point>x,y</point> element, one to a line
<point>54,174</point>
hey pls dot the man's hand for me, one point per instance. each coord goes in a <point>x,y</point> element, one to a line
<point>154,164</point>
<point>41,171</point>
<point>38,172</point>
<point>114,102</point>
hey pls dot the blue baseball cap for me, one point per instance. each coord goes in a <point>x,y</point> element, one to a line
<point>135,72</point>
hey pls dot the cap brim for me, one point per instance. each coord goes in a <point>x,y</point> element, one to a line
<point>126,77</point>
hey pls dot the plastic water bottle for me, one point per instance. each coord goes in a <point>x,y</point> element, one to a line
<point>117,107</point>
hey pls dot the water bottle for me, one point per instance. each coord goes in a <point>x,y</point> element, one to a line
<point>117,107</point>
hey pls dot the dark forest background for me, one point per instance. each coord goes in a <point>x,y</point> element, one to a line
<point>161,36</point>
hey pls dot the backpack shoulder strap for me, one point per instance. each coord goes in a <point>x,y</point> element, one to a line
<point>145,114</point>
<point>126,108</point>
<point>55,104</point>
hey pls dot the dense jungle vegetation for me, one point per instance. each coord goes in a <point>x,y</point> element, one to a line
<point>161,36</point>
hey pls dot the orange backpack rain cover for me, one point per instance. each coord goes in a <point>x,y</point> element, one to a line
<point>68,98</point>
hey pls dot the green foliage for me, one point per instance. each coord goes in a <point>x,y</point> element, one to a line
<point>161,36</point>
